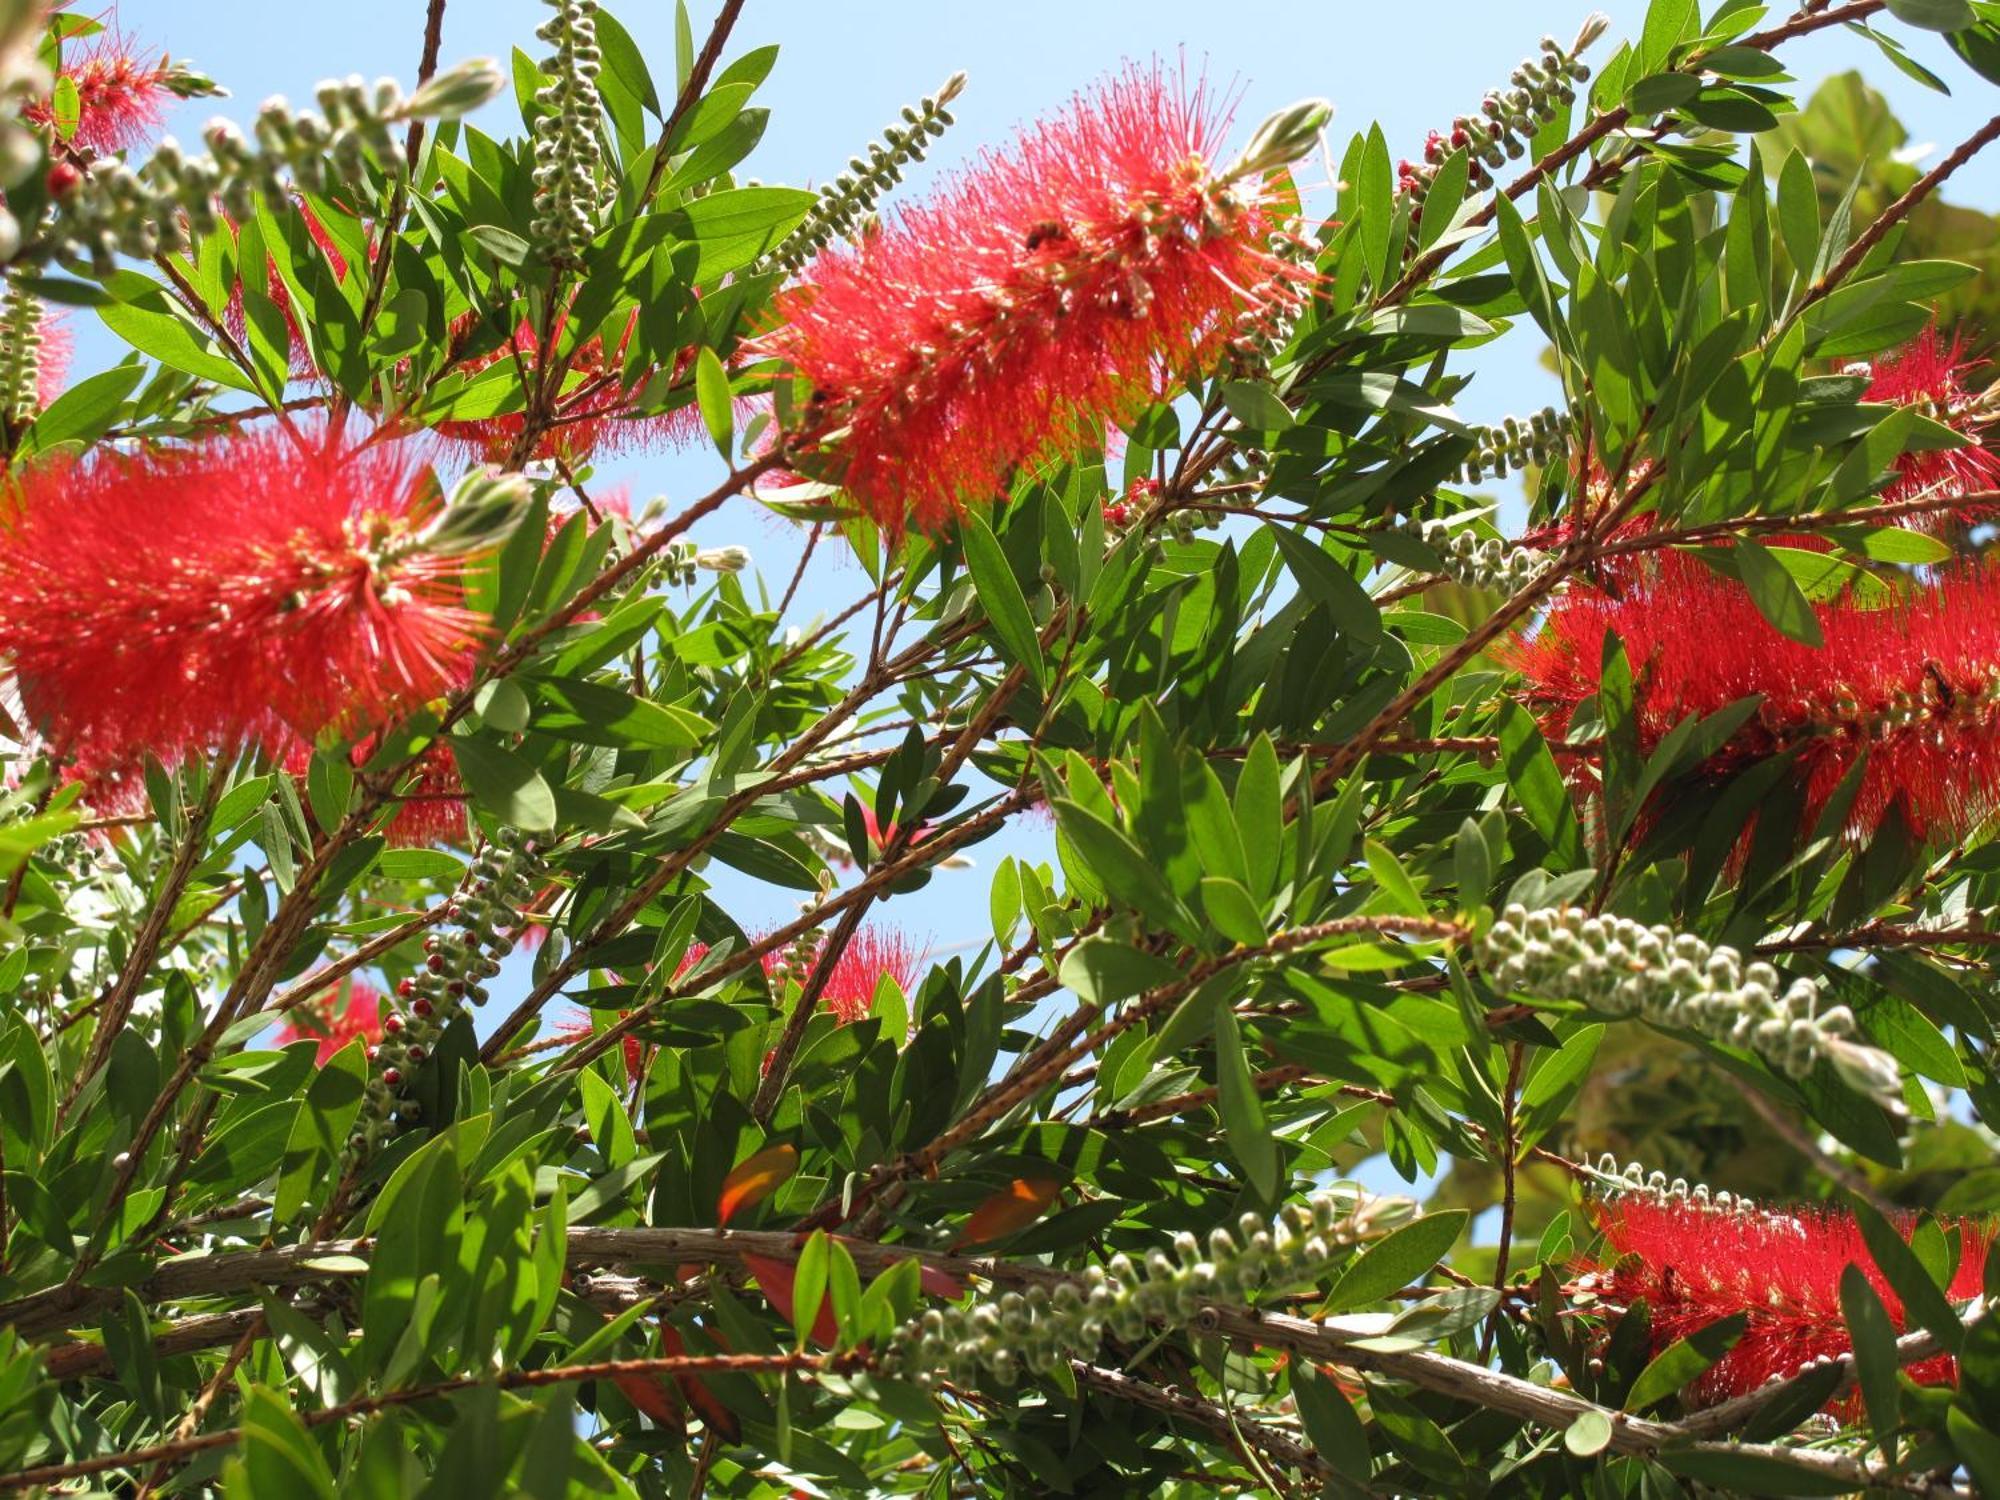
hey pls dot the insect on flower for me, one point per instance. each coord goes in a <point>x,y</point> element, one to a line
<point>247,591</point>
<point>1051,289</point>
<point>1693,1264</point>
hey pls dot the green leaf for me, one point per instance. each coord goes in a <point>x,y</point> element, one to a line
<point>169,339</point>
<point>319,1134</point>
<point>1874,1344</point>
<point>735,226</point>
<point>1589,1435</point>
<point>1124,872</point>
<point>1922,1298</point>
<point>809,1284</point>
<point>84,411</point>
<point>1326,582</point>
<point>1684,1360</point>
<point>1243,1124</point>
<point>1776,593</point>
<point>1256,406</point>
<point>1102,971</point>
<point>1749,1473</point>
<point>1230,908</point>
<point>711,388</point>
<point>1330,1422</point>
<point>1933,15</point>
<point>504,784</point>
<point>1397,1260</point>
<point>1534,778</point>
<point>1001,597</point>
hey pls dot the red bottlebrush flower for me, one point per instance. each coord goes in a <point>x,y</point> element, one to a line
<point>120,100</point>
<point>1915,686</point>
<point>52,363</point>
<point>432,796</point>
<point>579,1028</point>
<point>1693,1264</point>
<point>1927,373</point>
<point>589,416</point>
<point>1052,289</point>
<point>336,1018</point>
<point>245,591</point>
<point>871,954</point>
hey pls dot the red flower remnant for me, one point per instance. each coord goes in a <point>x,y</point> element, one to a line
<point>1927,373</point>
<point>336,1018</point>
<point>1693,1264</point>
<point>52,363</point>
<point>579,1028</point>
<point>1916,687</point>
<point>1052,289</point>
<point>589,415</point>
<point>432,809</point>
<point>871,954</point>
<point>249,590</point>
<point>120,100</point>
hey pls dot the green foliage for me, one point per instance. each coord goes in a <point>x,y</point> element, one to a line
<point>1070,1211</point>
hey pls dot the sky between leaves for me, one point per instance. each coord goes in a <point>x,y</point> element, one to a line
<point>847,69</point>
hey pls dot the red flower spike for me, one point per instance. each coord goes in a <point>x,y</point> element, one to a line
<point>432,809</point>
<point>353,1010</point>
<point>250,590</point>
<point>1694,1264</point>
<point>868,956</point>
<point>1916,687</point>
<point>120,100</point>
<point>1926,373</point>
<point>280,294</point>
<point>1052,289</point>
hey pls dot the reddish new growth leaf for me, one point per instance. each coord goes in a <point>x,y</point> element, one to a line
<point>336,1017</point>
<point>1928,374</point>
<point>1915,687</point>
<point>1053,288</point>
<point>247,591</point>
<point>1693,1264</point>
<point>120,99</point>
<point>589,413</point>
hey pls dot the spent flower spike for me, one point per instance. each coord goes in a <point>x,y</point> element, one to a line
<point>1050,290</point>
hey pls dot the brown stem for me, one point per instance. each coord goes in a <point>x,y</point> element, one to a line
<point>1896,212</point>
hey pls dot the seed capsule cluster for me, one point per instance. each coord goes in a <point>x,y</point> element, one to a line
<point>847,200</point>
<point>1538,90</point>
<point>20,352</point>
<point>568,159</point>
<point>111,208</point>
<point>458,960</point>
<point>1479,562</point>
<point>1514,444</point>
<point>1033,1331</point>
<point>1673,978</point>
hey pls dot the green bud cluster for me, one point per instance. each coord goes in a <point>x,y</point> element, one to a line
<point>1669,978</point>
<point>459,958</point>
<point>1032,1332</point>
<point>845,203</point>
<point>1514,444</point>
<point>1283,138</point>
<point>20,352</point>
<point>111,208</point>
<point>1508,118</point>
<point>1271,315</point>
<point>1479,562</point>
<point>568,157</point>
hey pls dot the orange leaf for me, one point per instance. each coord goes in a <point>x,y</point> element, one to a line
<point>650,1395</point>
<point>755,1178</point>
<point>774,1278</point>
<point>717,1417</point>
<point>1015,1206</point>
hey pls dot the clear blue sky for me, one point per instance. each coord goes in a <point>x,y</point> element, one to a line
<point>848,68</point>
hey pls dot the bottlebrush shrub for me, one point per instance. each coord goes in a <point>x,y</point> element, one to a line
<point>1049,289</point>
<point>1693,1263</point>
<point>1169,777</point>
<point>1908,692</point>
